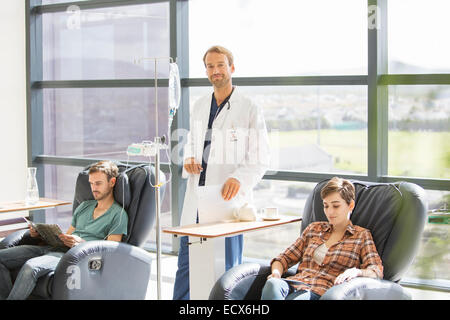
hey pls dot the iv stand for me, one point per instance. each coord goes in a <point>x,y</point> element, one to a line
<point>158,143</point>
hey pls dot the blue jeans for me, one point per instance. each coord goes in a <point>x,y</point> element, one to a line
<point>35,261</point>
<point>233,256</point>
<point>278,289</point>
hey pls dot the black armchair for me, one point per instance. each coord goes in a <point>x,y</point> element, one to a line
<point>395,213</point>
<point>105,269</point>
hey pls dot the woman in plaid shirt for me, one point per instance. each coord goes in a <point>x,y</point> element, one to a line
<point>328,253</point>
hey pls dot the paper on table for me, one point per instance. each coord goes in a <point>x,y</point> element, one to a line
<point>212,207</point>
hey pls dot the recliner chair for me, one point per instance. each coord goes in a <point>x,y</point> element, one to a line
<point>105,269</point>
<point>395,213</point>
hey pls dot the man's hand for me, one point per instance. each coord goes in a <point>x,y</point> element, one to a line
<point>230,189</point>
<point>70,240</point>
<point>192,167</point>
<point>347,275</point>
<point>33,233</point>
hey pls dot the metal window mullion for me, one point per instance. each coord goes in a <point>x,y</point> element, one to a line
<point>93,4</point>
<point>83,162</point>
<point>426,183</point>
<point>118,83</point>
<point>199,82</point>
<point>314,177</point>
<point>179,50</point>
<point>304,176</point>
<point>415,79</point>
<point>35,112</point>
<point>377,125</point>
<point>284,81</point>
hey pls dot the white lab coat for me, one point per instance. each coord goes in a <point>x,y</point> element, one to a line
<point>239,148</point>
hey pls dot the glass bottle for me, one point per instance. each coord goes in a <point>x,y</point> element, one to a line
<point>32,196</point>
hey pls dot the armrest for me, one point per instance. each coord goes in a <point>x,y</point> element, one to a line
<point>17,238</point>
<point>102,270</point>
<point>242,282</point>
<point>366,289</point>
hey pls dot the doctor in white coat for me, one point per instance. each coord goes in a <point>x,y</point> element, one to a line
<point>228,146</point>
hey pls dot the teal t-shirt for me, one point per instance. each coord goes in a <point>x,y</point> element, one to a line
<point>113,221</point>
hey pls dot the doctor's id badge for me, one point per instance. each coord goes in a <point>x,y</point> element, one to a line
<point>232,135</point>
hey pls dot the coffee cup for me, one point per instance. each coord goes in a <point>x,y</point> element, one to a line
<point>270,213</point>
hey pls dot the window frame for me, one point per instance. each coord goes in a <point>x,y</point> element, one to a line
<point>377,81</point>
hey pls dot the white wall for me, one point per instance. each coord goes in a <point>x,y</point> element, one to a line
<point>13,123</point>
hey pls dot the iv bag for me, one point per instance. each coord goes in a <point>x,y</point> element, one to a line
<point>174,86</point>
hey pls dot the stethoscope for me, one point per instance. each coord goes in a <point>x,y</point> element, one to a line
<point>217,113</point>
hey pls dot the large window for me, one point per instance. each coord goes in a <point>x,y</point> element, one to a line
<point>320,130</point>
<point>291,38</point>
<point>105,43</point>
<point>417,30</point>
<point>347,96</point>
<point>85,105</point>
<point>76,125</point>
<point>419,131</point>
<point>325,127</point>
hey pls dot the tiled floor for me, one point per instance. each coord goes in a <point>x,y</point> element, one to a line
<point>169,268</point>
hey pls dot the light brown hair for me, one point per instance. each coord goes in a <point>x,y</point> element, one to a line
<point>222,50</point>
<point>107,167</point>
<point>345,188</point>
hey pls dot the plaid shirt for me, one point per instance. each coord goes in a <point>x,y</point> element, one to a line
<point>355,250</point>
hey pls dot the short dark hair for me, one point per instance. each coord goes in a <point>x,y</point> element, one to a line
<point>345,188</point>
<point>107,167</point>
<point>222,50</point>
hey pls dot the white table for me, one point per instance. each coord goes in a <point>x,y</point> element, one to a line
<point>12,213</point>
<point>207,249</point>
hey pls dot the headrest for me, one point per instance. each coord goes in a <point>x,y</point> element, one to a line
<point>134,190</point>
<point>121,191</point>
<point>377,206</point>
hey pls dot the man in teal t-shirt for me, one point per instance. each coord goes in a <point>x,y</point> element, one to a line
<point>99,219</point>
<point>113,221</point>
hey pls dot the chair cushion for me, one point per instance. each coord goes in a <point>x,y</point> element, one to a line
<point>376,208</point>
<point>395,214</point>
<point>122,193</point>
<point>133,189</point>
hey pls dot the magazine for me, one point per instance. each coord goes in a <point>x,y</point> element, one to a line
<point>48,232</point>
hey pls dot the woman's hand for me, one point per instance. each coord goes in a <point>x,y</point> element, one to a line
<point>347,275</point>
<point>277,270</point>
<point>275,274</point>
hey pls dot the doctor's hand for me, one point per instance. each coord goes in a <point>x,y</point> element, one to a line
<point>191,166</point>
<point>230,189</point>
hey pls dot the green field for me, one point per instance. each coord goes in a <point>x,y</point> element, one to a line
<point>414,154</point>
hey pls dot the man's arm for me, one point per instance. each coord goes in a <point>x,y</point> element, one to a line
<point>115,237</point>
<point>70,230</point>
